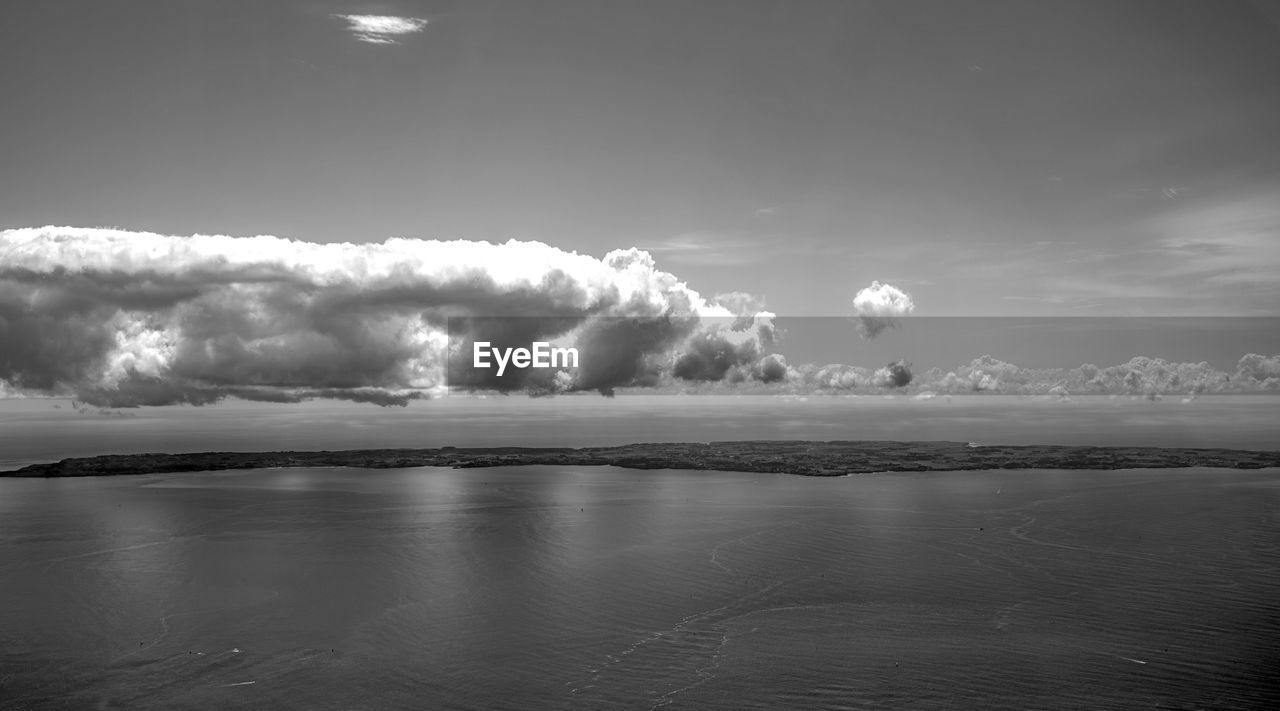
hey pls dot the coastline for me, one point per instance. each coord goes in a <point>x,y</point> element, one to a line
<point>804,458</point>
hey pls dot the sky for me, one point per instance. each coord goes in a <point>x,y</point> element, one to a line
<point>1080,158</point>
<point>1011,158</point>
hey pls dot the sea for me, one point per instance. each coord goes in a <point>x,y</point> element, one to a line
<point>602,588</point>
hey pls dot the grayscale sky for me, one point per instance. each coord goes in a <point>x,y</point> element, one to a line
<point>1084,158</point>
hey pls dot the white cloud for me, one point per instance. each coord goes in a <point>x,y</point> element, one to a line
<point>127,318</point>
<point>381,29</point>
<point>878,307</point>
<point>707,248</point>
<point>1138,377</point>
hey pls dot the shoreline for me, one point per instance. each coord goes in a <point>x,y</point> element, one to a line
<point>798,457</point>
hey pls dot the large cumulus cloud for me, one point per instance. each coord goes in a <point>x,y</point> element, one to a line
<point>128,318</point>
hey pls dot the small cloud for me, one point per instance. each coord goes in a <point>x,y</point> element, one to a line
<point>707,248</point>
<point>766,211</point>
<point>1164,192</point>
<point>878,307</point>
<point>381,29</point>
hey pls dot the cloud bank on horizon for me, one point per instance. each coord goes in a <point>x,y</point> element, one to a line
<point>118,319</point>
<point>1139,377</point>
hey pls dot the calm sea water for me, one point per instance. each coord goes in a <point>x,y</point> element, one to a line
<point>598,588</point>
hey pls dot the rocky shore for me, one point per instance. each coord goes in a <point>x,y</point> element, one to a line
<point>783,457</point>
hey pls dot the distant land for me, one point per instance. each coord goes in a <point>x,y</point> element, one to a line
<point>782,457</point>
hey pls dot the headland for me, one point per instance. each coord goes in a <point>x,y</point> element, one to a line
<point>806,458</point>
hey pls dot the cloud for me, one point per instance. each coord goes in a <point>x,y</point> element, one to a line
<point>1139,377</point>
<point>1227,242</point>
<point>743,305</point>
<point>1204,254</point>
<point>722,346</point>
<point>894,375</point>
<point>123,318</point>
<point>878,308</point>
<point>381,29</point>
<point>627,352</point>
<point>708,249</point>
<point>1260,369</point>
<point>118,318</point>
<point>771,369</point>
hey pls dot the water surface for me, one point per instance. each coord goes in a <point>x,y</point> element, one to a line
<point>600,588</point>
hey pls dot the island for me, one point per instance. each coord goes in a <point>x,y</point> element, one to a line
<point>807,458</point>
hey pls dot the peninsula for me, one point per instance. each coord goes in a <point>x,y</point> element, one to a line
<point>783,457</point>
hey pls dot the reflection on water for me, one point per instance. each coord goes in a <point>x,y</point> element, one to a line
<point>598,588</point>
